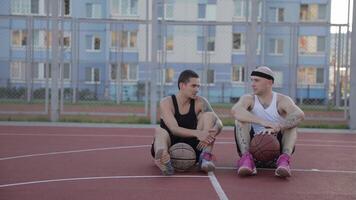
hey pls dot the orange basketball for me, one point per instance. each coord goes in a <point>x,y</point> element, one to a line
<point>264,147</point>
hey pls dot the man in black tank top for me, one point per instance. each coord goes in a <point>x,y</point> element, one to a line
<point>188,118</point>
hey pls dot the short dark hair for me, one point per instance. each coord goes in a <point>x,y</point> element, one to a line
<point>186,75</point>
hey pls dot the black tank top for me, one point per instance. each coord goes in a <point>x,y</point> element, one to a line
<point>188,120</point>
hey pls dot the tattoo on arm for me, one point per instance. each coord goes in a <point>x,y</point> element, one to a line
<point>206,106</point>
<point>218,124</point>
<point>291,121</point>
<point>241,142</point>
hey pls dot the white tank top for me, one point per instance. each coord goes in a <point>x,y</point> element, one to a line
<point>270,114</point>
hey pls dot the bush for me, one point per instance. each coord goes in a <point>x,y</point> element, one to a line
<point>86,94</point>
<point>12,92</point>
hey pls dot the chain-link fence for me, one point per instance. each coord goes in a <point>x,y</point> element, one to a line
<point>105,54</point>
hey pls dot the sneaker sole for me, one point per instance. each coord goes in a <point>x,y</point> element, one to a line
<point>166,172</point>
<point>244,171</point>
<point>282,172</point>
<point>208,168</point>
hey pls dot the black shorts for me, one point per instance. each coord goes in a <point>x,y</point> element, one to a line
<point>192,141</point>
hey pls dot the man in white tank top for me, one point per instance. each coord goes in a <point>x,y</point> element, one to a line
<point>265,112</point>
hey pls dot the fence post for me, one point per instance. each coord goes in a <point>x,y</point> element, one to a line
<point>352,121</point>
<point>251,43</point>
<point>55,66</point>
<point>153,63</point>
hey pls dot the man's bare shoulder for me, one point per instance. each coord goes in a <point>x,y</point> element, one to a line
<point>281,98</point>
<point>247,98</point>
<point>201,99</point>
<point>203,104</point>
<point>166,101</point>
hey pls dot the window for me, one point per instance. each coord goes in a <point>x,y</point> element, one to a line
<point>92,75</point>
<point>42,71</point>
<point>27,7</point>
<point>17,70</point>
<point>313,12</point>
<point>65,71</point>
<point>278,79</point>
<point>210,76</point>
<point>124,39</point>
<point>128,72</point>
<point>169,75</point>
<point>124,7</point>
<point>206,38</point>
<point>242,9</point>
<point>310,76</point>
<point>167,9</point>
<point>258,50</point>
<point>39,37</point>
<point>238,73</point>
<point>19,38</point>
<point>170,38</point>
<point>92,43</point>
<point>277,15</point>
<point>39,71</point>
<point>66,39</point>
<point>93,10</point>
<point>66,7</point>
<point>238,42</point>
<point>167,40</point>
<point>312,44</point>
<point>276,46</point>
<point>207,11</point>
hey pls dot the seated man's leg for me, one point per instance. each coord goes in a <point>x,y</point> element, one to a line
<point>161,144</point>
<point>207,121</point>
<point>245,165</point>
<point>288,142</point>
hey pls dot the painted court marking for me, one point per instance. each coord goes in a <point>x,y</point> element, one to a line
<point>74,151</point>
<point>301,170</point>
<point>74,135</point>
<point>214,181</point>
<point>97,178</point>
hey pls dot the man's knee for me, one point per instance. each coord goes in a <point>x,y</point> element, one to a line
<point>207,117</point>
<point>161,133</point>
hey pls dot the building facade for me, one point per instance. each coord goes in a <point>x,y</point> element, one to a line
<point>105,46</point>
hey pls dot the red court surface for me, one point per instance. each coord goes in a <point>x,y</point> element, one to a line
<point>56,162</point>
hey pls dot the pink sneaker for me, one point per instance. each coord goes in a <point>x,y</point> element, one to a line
<point>283,168</point>
<point>246,166</point>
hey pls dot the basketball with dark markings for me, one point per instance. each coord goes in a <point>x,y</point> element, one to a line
<point>183,156</point>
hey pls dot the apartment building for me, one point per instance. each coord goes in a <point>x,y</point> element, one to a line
<point>99,37</point>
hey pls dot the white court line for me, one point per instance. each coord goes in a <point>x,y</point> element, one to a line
<point>301,170</point>
<point>74,151</point>
<point>308,145</point>
<point>326,141</point>
<point>97,178</point>
<point>214,181</point>
<point>140,146</point>
<point>149,136</point>
<point>75,135</point>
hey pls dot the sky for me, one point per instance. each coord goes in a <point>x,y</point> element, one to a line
<point>339,11</point>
